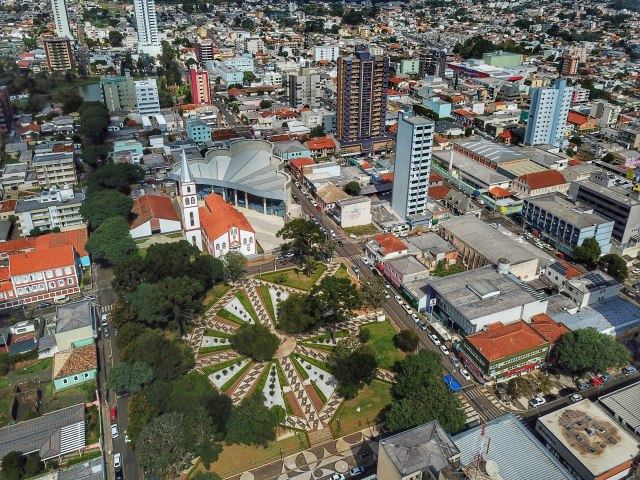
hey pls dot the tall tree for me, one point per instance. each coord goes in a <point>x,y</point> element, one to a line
<point>252,422</point>
<point>588,252</point>
<point>587,350</point>
<point>111,241</point>
<point>352,188</point>
<point>304,237</point>
<point>235,266</point>
<point>407,340</point>
<point>116,176</point>
<point>354,369</point>
<point>256,341</point>
<point>105,204</point>
<point>421,395</point>
<point>160,447</point>
<point>335,299</point>
<point>140,413</point>
<point>168,358</point>
<point>372,293</point>
<point>129,377</point>
<point>295,315</point>
<point>615,266</point>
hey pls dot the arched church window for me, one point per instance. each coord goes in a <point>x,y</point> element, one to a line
<point>192,219</point>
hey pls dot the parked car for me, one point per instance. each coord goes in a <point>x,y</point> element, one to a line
<point>386,295</point>
<point>105,319</point>
<point>636,271</point>
<point>117,460</point>
<point>115,433</point>
<point>583,386</point>
<point>537,402</point>
<point>356,471</point>
<point>365,260</point>
<point>444,350</point>
<point>337,476</point>
<point>398,299</point>
<point>575,397</point>
<point>455,361</point>
<point>105,331</point>
<point>340,243</point>
<point>629,370</point>
<point>114,414</point>
<point>415,317</point>
<point>465,373</point>
<point>119,474</point>
<point>606,378</point>
<point>332,233</point>
<point>44,305</point>
<point>435,340</point>
<point>422,325</point>
<point>596,382</point>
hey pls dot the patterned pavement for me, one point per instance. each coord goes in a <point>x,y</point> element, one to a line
<point>299,391</point>
<point>248,380</point>
<point>216,357</point>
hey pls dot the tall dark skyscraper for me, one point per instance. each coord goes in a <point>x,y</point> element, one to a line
<point>433,62</point>
<point>363,80</point>
<point>6,113</point>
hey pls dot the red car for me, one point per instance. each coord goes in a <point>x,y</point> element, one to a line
<point>596,382</point>
<point>114,414</point>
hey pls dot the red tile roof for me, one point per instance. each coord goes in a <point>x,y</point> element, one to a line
<point>386,177</point>
<point>389,243</point>
<point>366,165</point>
<point>38,260</point>
<point>72,362</point>
<point>8,206</point>
<point>577,118</point>
<point>302,162</point>
<point>571,270</point>
<point>501,341</point>
<point>320,143</point>
<point>153,208</point>
<point>548,328</point>
<point>17,245</point>
<point>506,134</point>
<point>217,217</point>
<point>499,192</point>
<point>544,179</point>
<point>573,162</point>
<point>77,237</point>
<point>434,177</point>
<point>438,192</point>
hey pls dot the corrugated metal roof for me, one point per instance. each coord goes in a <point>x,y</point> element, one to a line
<point>518,454</point>
<point>625,403</point>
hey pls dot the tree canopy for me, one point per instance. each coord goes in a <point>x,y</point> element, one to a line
<point>255,341</point>
<point>161,446</point>
<point>252,422</point>
<point>94,118</point>
<point>304,237</point>
<point>353,368</point>
<point>615,266</point>
<point>587,350</point>
<point>407,340</point>
<point>588,252</point>
<point>111,241</point>
<point>235,266</point>
<point>129,377</point>
<point>334,299</point>
<point>352,188</point>
<point>105,204</point>
<point>421,395</point>
<point>115,176</point>
<point>295,314</point>
<point>372,293</point>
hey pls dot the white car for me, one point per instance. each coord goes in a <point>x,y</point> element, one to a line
<point>105,319</point>
<point>636,270</point>
<point>386,295</point>
<point>333,234</point>
<point>356,471</point>
<point>465,373</point>
<point>127,438</point>
<point>444,350</point>
<point>576,397</point>
<point>337,476</point>
<point>435,340</point>
<point>115,433</point>
<point>415,317</point>
<point>117,463</point>
<point>537,401</point>
<point>365,260</point>
<point>398,299</point>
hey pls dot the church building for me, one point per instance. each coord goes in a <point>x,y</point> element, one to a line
<point>215,228</point>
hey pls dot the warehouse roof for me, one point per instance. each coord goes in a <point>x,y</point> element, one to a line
<point>625,405</point>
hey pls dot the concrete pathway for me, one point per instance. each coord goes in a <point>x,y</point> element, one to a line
<point>299,391</point>
<point>216,357</point>
<point>249,379</point>
<point>251,289</point>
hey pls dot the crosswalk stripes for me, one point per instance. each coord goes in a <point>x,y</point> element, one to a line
<point>105,308</point>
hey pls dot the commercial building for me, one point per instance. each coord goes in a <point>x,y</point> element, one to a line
<point>548,114</point>
<point>6,111</point>
<point>147,27</point>
<point>623,406</point>
<point>59,54</point>
<point>480,244</point>
<point>402,270</point>
<point>327,53</point>
<point>612,316</point>
<point>353,212</point>
<point>539,183</point>
<point>305,89</point>
<point>384,247</point>
<point>229,75</point>
<point>566,225</point>
<point>591,288</point>
<point>247,174</point>
<point>433,63</point>
<point>490,154</point>
<point>54,169</point>
<point>414,143</point>
<point>362,84</point>
<point>502,59</point>
<point>590,444</point>
<point>198,130</point>
<point>199,84</point>
<point>474,299</point>
<point>147,98</point>
<point>61,18</point>
<point>500,352</point>
<point>118,93</point>
<point>204,50</point>
<point>510,449</point>
<point>613,198</point>
<point>418,453</point>
<point>39,275</point>
<point>53,208</point>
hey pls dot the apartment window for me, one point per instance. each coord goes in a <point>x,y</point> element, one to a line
<point>51,285</point>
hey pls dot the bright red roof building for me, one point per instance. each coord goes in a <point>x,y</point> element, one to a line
<point>389,244</point>
<point>320,143</point>
<point>217,217</point>
<point>39,260</point>
<point>502,341</point>
<point>548,328</point>
<point>438,192</point>
<point>543,179</point>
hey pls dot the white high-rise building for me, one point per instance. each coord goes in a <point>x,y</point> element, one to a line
<point>147,27</point>
<point>548,114</point>
<point>330,53</point>
<point>147,96</point>
<point>414,143</point>
<point>61,19</point>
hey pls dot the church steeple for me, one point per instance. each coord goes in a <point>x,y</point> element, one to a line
<point>189,205</point>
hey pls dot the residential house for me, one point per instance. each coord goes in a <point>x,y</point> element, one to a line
<point>383,247</point>
<point>290,150</point>
<point>328,195</point>
<point>74,325</point>
<point>74,367</point>
<point>321,147</point>
<point>154,214</point>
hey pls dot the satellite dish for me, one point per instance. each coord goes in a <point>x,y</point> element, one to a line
<point>491,468</point>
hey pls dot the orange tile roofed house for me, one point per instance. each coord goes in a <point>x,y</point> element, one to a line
<point>39,260</point>
<point>500,351</point>
<point>389,244</point>
<point>548,328</point>
<point>438,192</point>
<point>540,183</point>
<point>224,228</point>
<point>154,213</point>
<point>499,192</point>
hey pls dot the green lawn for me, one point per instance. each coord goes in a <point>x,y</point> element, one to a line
<point>264,290</point>
<point>221,366</point>
<point>281,378</point>
<point>371,400</point>
<point>293,277</point>
<point>210,332</point>
<point>319,346</point>
<point>247,304</point>
<point>362,229</point>
<point>317,363</point>
<point>382,334</point>
<point>214,294</point>
<point>440,271</point>
<point>233,379</point>
<point>226,314</point>
<point>4,382</point>
<point>342,272</point>
<point>326,336</point>
<point>319,392</point>
<point>264,377</point>
<point>36,367</point>
<point>215,348</point>
<point>301,371</point>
